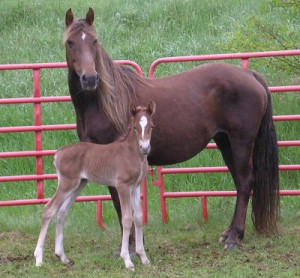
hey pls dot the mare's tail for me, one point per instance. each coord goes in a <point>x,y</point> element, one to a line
<point>265,199</point>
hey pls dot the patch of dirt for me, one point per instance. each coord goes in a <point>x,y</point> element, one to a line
<point>10,259</point>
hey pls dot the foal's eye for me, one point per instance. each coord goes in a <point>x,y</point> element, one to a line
<point>95,42</point>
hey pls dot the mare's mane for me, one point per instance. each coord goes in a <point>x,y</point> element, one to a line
<point>116,90</point>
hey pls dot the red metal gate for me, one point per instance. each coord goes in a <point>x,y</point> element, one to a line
<point>39,152</point>
<point>38,128</point>
<point>161,171</point>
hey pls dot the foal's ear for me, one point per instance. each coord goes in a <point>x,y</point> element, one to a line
<point>151,108</point>
<point>69,17</point>
<point>90,16</point>
<point>133,109</point>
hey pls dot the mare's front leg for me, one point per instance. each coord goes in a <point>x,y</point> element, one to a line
<point>138,223</point>
<point>60,222</point>
<point>124,195</point>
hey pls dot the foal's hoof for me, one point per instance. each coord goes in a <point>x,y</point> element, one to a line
<point>231,246</point>
<point>64,259</point>
<point>38,264</point>
<point>129,266</point>
<point>222,239</point>
<point>131,269</point>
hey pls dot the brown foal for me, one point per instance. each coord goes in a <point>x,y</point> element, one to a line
<point>122,164</point>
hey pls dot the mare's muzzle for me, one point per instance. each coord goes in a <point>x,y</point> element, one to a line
<point>89,81</point>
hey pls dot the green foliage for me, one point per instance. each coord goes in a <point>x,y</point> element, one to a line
<point>265,33</point>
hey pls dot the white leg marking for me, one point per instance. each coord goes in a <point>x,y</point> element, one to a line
<point>138,224</point>
<point>126,222</point>
<point>60,220</point>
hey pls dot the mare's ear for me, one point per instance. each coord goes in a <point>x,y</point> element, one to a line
<point>151,108</point>
<point>133,109</point>
<point>90,16</point>
<point>69,17</point>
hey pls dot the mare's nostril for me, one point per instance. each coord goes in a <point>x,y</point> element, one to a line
<point>84,78</point>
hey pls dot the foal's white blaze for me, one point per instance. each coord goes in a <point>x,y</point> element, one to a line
<point>143,124</point>
<point>144,144</point>
<point>83,36</point>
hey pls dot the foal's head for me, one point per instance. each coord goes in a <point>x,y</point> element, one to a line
<point>81,49</point>
<point>142,125</point>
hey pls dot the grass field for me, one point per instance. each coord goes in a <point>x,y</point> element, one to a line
<point>142,31</point>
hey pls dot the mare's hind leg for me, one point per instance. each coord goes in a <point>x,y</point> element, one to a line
<point>50,210</point>
<point>60,222</point>
<point>138,223</point>
<point>239,162</point>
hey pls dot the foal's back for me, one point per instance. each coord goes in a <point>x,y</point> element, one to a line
<point>97,163</point>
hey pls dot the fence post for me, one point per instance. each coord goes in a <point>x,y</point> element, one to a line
<point>38,134</point>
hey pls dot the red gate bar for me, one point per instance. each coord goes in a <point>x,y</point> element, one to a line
<point>38,128</point>
<point>244,57</point>
<point>216,57</point>
<point>293,143</point>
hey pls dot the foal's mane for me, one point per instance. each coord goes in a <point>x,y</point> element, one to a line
<point>129,127</point>
<point>116,88</point>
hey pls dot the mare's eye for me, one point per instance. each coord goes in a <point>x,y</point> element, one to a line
<point>95,42</point>
<point>70,43</point>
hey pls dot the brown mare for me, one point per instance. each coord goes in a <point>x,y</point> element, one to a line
<point>121,165</point>
<point>217,101</point>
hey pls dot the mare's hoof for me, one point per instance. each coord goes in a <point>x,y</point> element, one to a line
<point>231,246</point>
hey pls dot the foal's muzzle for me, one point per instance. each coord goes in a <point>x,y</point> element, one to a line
<point>89,81</point>
<point>145,149</point>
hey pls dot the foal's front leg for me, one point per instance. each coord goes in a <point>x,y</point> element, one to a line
<point>124,195</point>
<point>138,223</point>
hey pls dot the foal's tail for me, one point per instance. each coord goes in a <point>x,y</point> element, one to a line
<point>265,199</point>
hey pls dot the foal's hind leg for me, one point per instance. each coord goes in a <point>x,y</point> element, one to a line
<point>239,162</point>
<point>50,210</point>
<point>138,223</point>
<point>60,222</point>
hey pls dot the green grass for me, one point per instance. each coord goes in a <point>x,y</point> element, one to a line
<point>142,31</point>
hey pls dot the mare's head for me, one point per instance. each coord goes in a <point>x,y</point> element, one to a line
<point>142,125</point>
<point>81,49</point>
